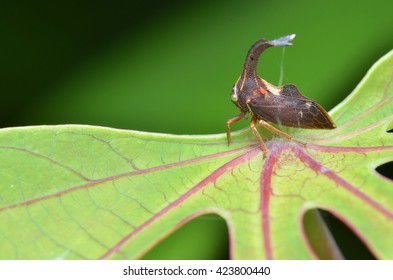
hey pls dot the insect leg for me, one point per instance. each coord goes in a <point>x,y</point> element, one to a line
<point>259,139</point>
<point>279,132</point>
<point>231,121</point>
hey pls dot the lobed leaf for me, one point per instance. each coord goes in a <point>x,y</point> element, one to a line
<point>83,192</point>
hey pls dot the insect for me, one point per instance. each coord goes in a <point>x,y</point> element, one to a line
<point>265,102</point>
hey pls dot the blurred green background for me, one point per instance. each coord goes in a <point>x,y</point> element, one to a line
<point>170,66</point>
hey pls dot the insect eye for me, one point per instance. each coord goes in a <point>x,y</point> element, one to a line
<point>234,96</point>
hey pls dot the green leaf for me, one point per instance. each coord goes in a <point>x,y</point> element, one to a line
<point>83,192</point>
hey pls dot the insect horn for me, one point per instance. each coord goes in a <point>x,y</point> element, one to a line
<point>250,65</point>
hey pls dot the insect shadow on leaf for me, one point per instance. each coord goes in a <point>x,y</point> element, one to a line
<point>283,105</point>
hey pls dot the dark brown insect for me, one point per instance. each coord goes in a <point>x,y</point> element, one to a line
<point>268,103</point>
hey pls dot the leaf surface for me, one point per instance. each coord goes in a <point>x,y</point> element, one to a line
<point>83,192</point>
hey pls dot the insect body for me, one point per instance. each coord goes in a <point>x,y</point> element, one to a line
<point>268,103</point>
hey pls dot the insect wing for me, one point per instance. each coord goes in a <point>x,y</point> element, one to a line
<point>290,108</point>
